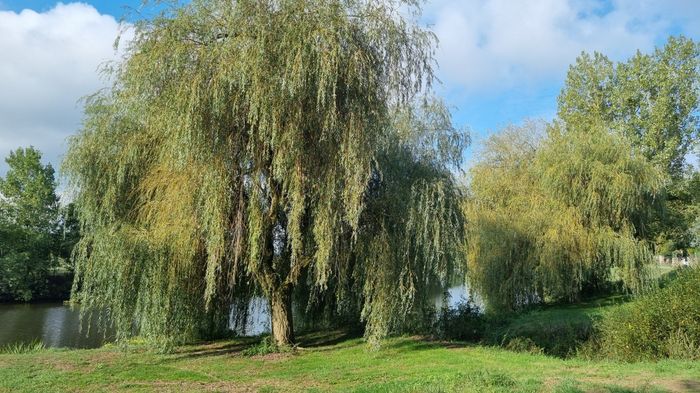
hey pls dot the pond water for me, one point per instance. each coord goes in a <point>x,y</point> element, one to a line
<point>58,325</point>
<point>54,324</point>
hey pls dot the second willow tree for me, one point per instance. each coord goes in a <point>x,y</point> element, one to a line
<point>554,211</point>
<point>239,152</point>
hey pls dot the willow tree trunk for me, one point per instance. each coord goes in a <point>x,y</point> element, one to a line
<point>281,313</point>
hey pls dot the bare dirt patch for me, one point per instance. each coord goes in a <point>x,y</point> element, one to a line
<point>680,385</point>
<point>219,386</point>
<point>274,357</point>
<point>643,380</point>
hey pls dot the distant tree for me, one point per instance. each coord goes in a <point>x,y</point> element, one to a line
<point>68,232</point>
<point>505,211</point>
<point>683,215</point>
<point>29,191</point>
<point>239,153</point>
<point>652,99</point>
<point>28,219</point>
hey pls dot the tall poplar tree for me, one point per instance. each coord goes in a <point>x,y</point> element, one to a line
<point>652,99</point>
<point>237,153</point>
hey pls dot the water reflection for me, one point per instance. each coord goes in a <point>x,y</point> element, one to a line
<point>258,318</point>
<point>55,324</point>
<point>259,310</point>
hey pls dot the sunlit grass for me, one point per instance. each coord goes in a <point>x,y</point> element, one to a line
<point>336,363</point>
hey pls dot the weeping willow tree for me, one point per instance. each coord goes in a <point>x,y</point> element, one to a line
<point>250,147</point>
<point>555,212</point>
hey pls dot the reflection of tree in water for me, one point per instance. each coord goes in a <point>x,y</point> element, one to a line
<point>21,323</point>
<point>257,318</point>
<point>57,325</point>
<point>56,328</point>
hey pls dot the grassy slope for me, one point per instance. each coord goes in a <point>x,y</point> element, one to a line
<point>561,329</point>
<point>557,329</point>
<point>403,364</point>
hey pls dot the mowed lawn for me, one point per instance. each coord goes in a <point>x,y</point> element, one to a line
<point>333,362</point>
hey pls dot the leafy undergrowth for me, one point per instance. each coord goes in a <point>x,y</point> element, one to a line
<point>336,363</point>
<point>663,323</point>
<point>566,330</point>
<point>559,330</point>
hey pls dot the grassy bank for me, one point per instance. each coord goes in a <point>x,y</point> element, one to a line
<point>335,363</point>
<point>558,330</point>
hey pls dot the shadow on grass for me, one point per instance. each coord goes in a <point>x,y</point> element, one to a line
<point>235,347</point>
<point>689,386</point>
<point>215,348</point>
<point>326,339</point>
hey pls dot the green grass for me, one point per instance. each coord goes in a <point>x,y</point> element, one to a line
<point>20,348</point>
<point>334,363</point>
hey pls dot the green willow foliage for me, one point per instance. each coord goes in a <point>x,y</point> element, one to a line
<point>412,229</point>
<point>553,213</point>
<point>250,147</point>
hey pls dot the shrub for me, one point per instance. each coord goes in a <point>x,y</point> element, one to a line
<point>523,344</point>
<point>665,323</point>
<point>464,322</point>
<point>265,346</point>
<point>680,346</point>
<point>557,336</point>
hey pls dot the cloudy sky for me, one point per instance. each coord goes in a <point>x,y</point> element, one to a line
<point>500,60</point>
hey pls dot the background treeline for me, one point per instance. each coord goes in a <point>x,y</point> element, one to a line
<point>37,232</point>
<point>576,208</point>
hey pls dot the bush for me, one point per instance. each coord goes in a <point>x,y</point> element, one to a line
<point>464,322</point>
<point>552,332</point>
<point>266,346</point>
<point>523,344</point>
<point>547,333</point>
<point>662,324</point>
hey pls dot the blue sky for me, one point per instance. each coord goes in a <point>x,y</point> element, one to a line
<point>500,61</point>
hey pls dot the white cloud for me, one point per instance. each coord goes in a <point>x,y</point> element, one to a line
<point>497,44</point>
<point>48,61</point>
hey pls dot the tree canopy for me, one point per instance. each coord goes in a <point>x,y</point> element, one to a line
<point>254,147</point>
<point>651,98</point>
